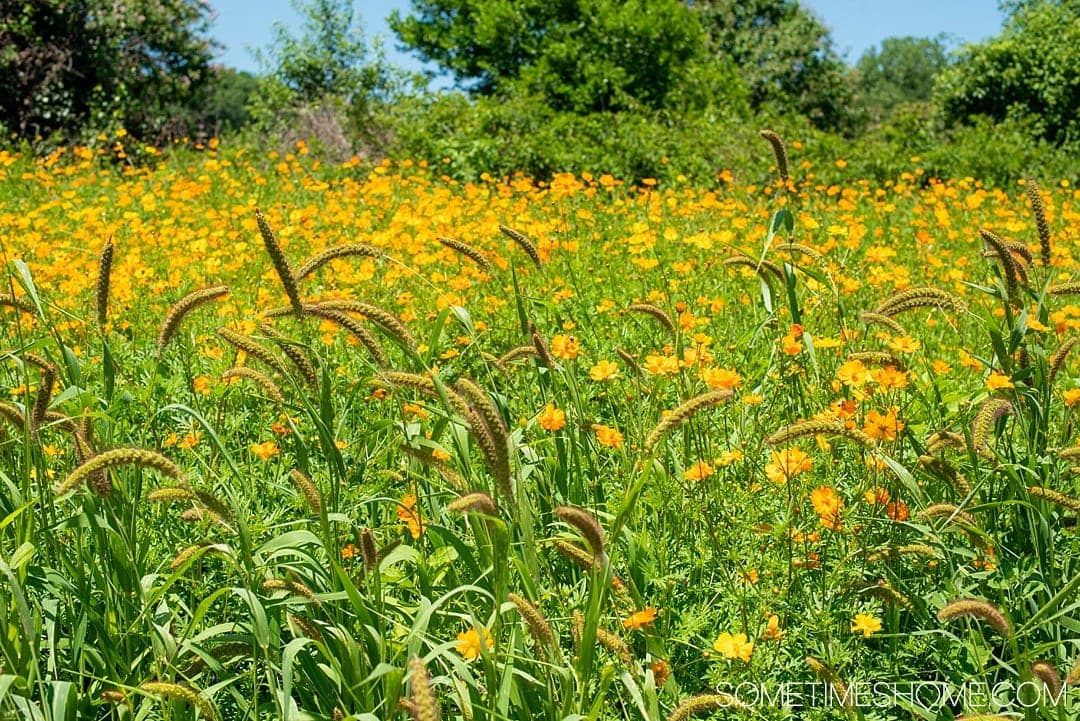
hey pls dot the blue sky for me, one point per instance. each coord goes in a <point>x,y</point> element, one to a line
<point>855,24</point>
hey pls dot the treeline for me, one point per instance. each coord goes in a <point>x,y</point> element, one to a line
<point>635,88</point>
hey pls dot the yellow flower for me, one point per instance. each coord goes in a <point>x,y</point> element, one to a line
<point>604,370</point>
<point>699,471</point>
<point>905,344</point>
<point>729,457</point>
<point>1072,397</point>
<point>608,436</point>
<point>659,365</point>
<point>641,618</point>
<point>786,464</point>
<point>470,643</point>
<point>853,374</point>
<point>940,367</point>
<point>202,385</point>
<point>998,381</point>
<point>866,624</point>
<point>737,646</point>
<point>266,450</point>
<point>552,418</point>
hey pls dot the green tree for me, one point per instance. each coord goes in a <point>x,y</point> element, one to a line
<point>901,71</point>
<point>580,56</point>
<point>67,66</point>
<point>784,54</point>
<point>1032,69</point>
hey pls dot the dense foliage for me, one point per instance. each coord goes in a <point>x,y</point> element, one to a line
<point>73,65</point>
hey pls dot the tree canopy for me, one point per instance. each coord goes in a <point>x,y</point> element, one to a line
<point>72,64</point>
<point>1031,70</point>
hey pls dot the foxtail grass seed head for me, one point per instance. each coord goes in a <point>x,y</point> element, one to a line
<point>381,317</point>
<point>707,703</point>
<point>1041,224</point>
<point>520,351</point>
<point>369,550</point>
<point>295,353</point>
<point>356,328</point>
<point>614,643</point>
<point>879,358</point>
<point>182,307</point>
<point>543,352</point>
<point>469,252</point>
<point>186,694</point>
<point>763,268</point>
<point>1007,261</point>
<point>950,512</point>
<point>253,348</point>
<point>1057,360</point>
<point>425,704</point>
<point>263,381</point>
<point>983,611</point>
<point>1070,288</point>
<point>659,314</point>
<point>948,473</point>
<point>346,250</point>
<point>1058,499</point>
<point>1047,673</point>
<point>830,677</point>
<point>685,412</point>
<point>779,153</point>
<point>537,623</point>
<point>587,526</point>
<point>522,242</point>
<point>799,249</point>
<point>46,385</point>
<point>496,454</point>
<point>941,440</point>
<point>476,502</point>
<point>118,457</point>
<point>307,627</point>
<point>293,587</point>
<point>20,304</point>
<point>630,361</point>
<point>281,263</point>
<point>877,319</point>
<point>989,413</point>
<point>186,555</point>
<point>307,489</point>
<point>887,594</point>
<point>577,555</point>
<point>920,297</point>
<point>105,261</point>
<point>810,428</point>
<point>426,458</point>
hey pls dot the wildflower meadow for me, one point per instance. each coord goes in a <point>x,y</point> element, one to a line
<point>290,439</point>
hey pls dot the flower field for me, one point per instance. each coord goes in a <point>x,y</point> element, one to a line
<point>285,440</point>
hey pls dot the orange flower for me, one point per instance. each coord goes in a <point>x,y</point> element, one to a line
<point>410,514</point>
<point>786,464</point>
<point>552,419</point>
<point>266,450</point>
<point>608,436</point>
<point>698,472</point>
<point>898,511</point>
<point>877,494</point>
<point>998,381</point>
<point>640,619</point>
<point>717,378</point>
<point>1072,397</point>
<point>659,365</point>
<point>773,631</point>
<point>828,505</point>
<point>882,427</point>
<point>201,385</point>
<point>660,672</point>
<point>791,345</point>
<point>565,347</point>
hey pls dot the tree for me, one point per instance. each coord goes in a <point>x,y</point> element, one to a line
<point>901,71</point>
<point>72,65</point>
<point>580,56</point>
<point>1031,70</point>
<point>784,54</point>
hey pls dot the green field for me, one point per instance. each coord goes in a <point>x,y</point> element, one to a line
<point>514,450</point>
